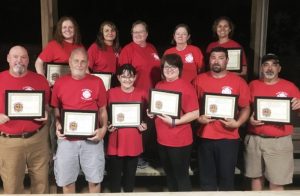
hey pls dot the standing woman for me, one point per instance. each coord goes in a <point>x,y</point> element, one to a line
<point>104,52</point>
<point>191,55</point>
<point>125,144</point>
<point>175,136</point>
<point>143,56</point>
<point>223,29</point>
<point>66,38</point>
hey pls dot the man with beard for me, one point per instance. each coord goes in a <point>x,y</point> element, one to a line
<point>219,138</point>
<point>23,142</point>
<point>268,147</point>
<point>79,91</point>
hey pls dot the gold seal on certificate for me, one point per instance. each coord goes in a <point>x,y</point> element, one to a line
<point>73,126</point>
<point>18,107</point>
<point>125,114</point>
<point>266,112</point>
<point>120,117</point>
<point>21,104</point>
<point>213,108</point>
<point>158,105</point>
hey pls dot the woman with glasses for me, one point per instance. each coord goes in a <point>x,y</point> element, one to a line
<point>174,135</point>
<point>191,55</point>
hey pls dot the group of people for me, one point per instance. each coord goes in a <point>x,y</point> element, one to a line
<point>137,68</point>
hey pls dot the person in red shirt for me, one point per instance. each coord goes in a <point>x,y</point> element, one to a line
<point>24,143</point>
<point>66,38</point>
<point>219,139</point>
<point>79,91</point>
<point>223,29</point>
<point>144,57</point>
<point>269,147</point>
<point>174,136</point>
<point>191,55</point>
<point>104,52</point>
<point>125,144</point>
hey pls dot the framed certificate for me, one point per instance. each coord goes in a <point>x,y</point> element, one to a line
<point>105,77</point>
<point>219,106</point>
<point>55,70</point>
<point>126,114</point>
<point>77,123</point>
<point>21,104</point>
<point>273,110</point>
<point>235,59</point>
<point>165,102</point>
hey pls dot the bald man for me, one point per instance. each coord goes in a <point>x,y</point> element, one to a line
<point>23,143</point>
<point>79,91</point>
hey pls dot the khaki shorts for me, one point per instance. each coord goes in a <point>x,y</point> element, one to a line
<point>269,157</point>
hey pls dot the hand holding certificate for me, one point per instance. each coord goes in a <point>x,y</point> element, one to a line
<point>125,114</point>
<point>235,59</point>
<point>56,70</point>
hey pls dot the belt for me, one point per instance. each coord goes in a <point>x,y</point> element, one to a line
<point>23,135</point>
<point>266,136</point>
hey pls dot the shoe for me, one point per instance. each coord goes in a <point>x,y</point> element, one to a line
<point>142,164</point>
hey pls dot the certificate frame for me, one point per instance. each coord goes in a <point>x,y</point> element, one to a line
<point>235,59</point>
<point>125,114</point>
<point>273,110</point>
<point>219,106</point>
<point>23,104</point>
<point>79,123</point>
<point>106,77</point>
<point>165,102</point>
<point>56,70</point>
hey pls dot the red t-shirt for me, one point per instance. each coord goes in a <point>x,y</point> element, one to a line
<point>180,135</point>
<point>54,52</point>
<point>145,60</point>
<point>126,141</point>
<point>192,59</point>
<point>102,60</point>
<point>229,44</point>
<point>231,84</point>
<point>282,88</point>
<point>86,94</point>
<point>31,81</point>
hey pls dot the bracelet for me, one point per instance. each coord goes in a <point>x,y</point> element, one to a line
<point>173,122</point>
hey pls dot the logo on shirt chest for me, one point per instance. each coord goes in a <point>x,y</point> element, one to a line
<point>28,88</point>
<point>156,57</point>
<point>86,94</point>
<point>189,58</point>
<point>282,94</point>
<point>226,90</point>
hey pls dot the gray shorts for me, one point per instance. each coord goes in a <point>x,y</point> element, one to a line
<point>71,156</point>
<point>269,157</point>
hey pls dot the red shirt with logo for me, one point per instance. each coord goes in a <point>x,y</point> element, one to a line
<point>31,81</point>
<point>180,135</point>
<point>192,59</point>
<point>126,141</point>
<point>85,94</point>
<point>58,53</point>
<point>102,60</point>
<point>229,44</point>
<point>230,84</point>
<point>145,60</point>
<point>282,88</point>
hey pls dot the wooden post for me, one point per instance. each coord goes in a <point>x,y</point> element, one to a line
<point>48,19</point>
<point>259,22</point>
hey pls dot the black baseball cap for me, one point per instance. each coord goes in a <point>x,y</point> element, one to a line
<point>268,57</point>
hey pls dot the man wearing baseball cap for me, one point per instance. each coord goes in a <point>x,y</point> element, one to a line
<point>268,146</point>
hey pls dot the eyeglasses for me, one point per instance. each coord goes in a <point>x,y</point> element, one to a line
<point>127,77</point>
<point>170,68</point>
